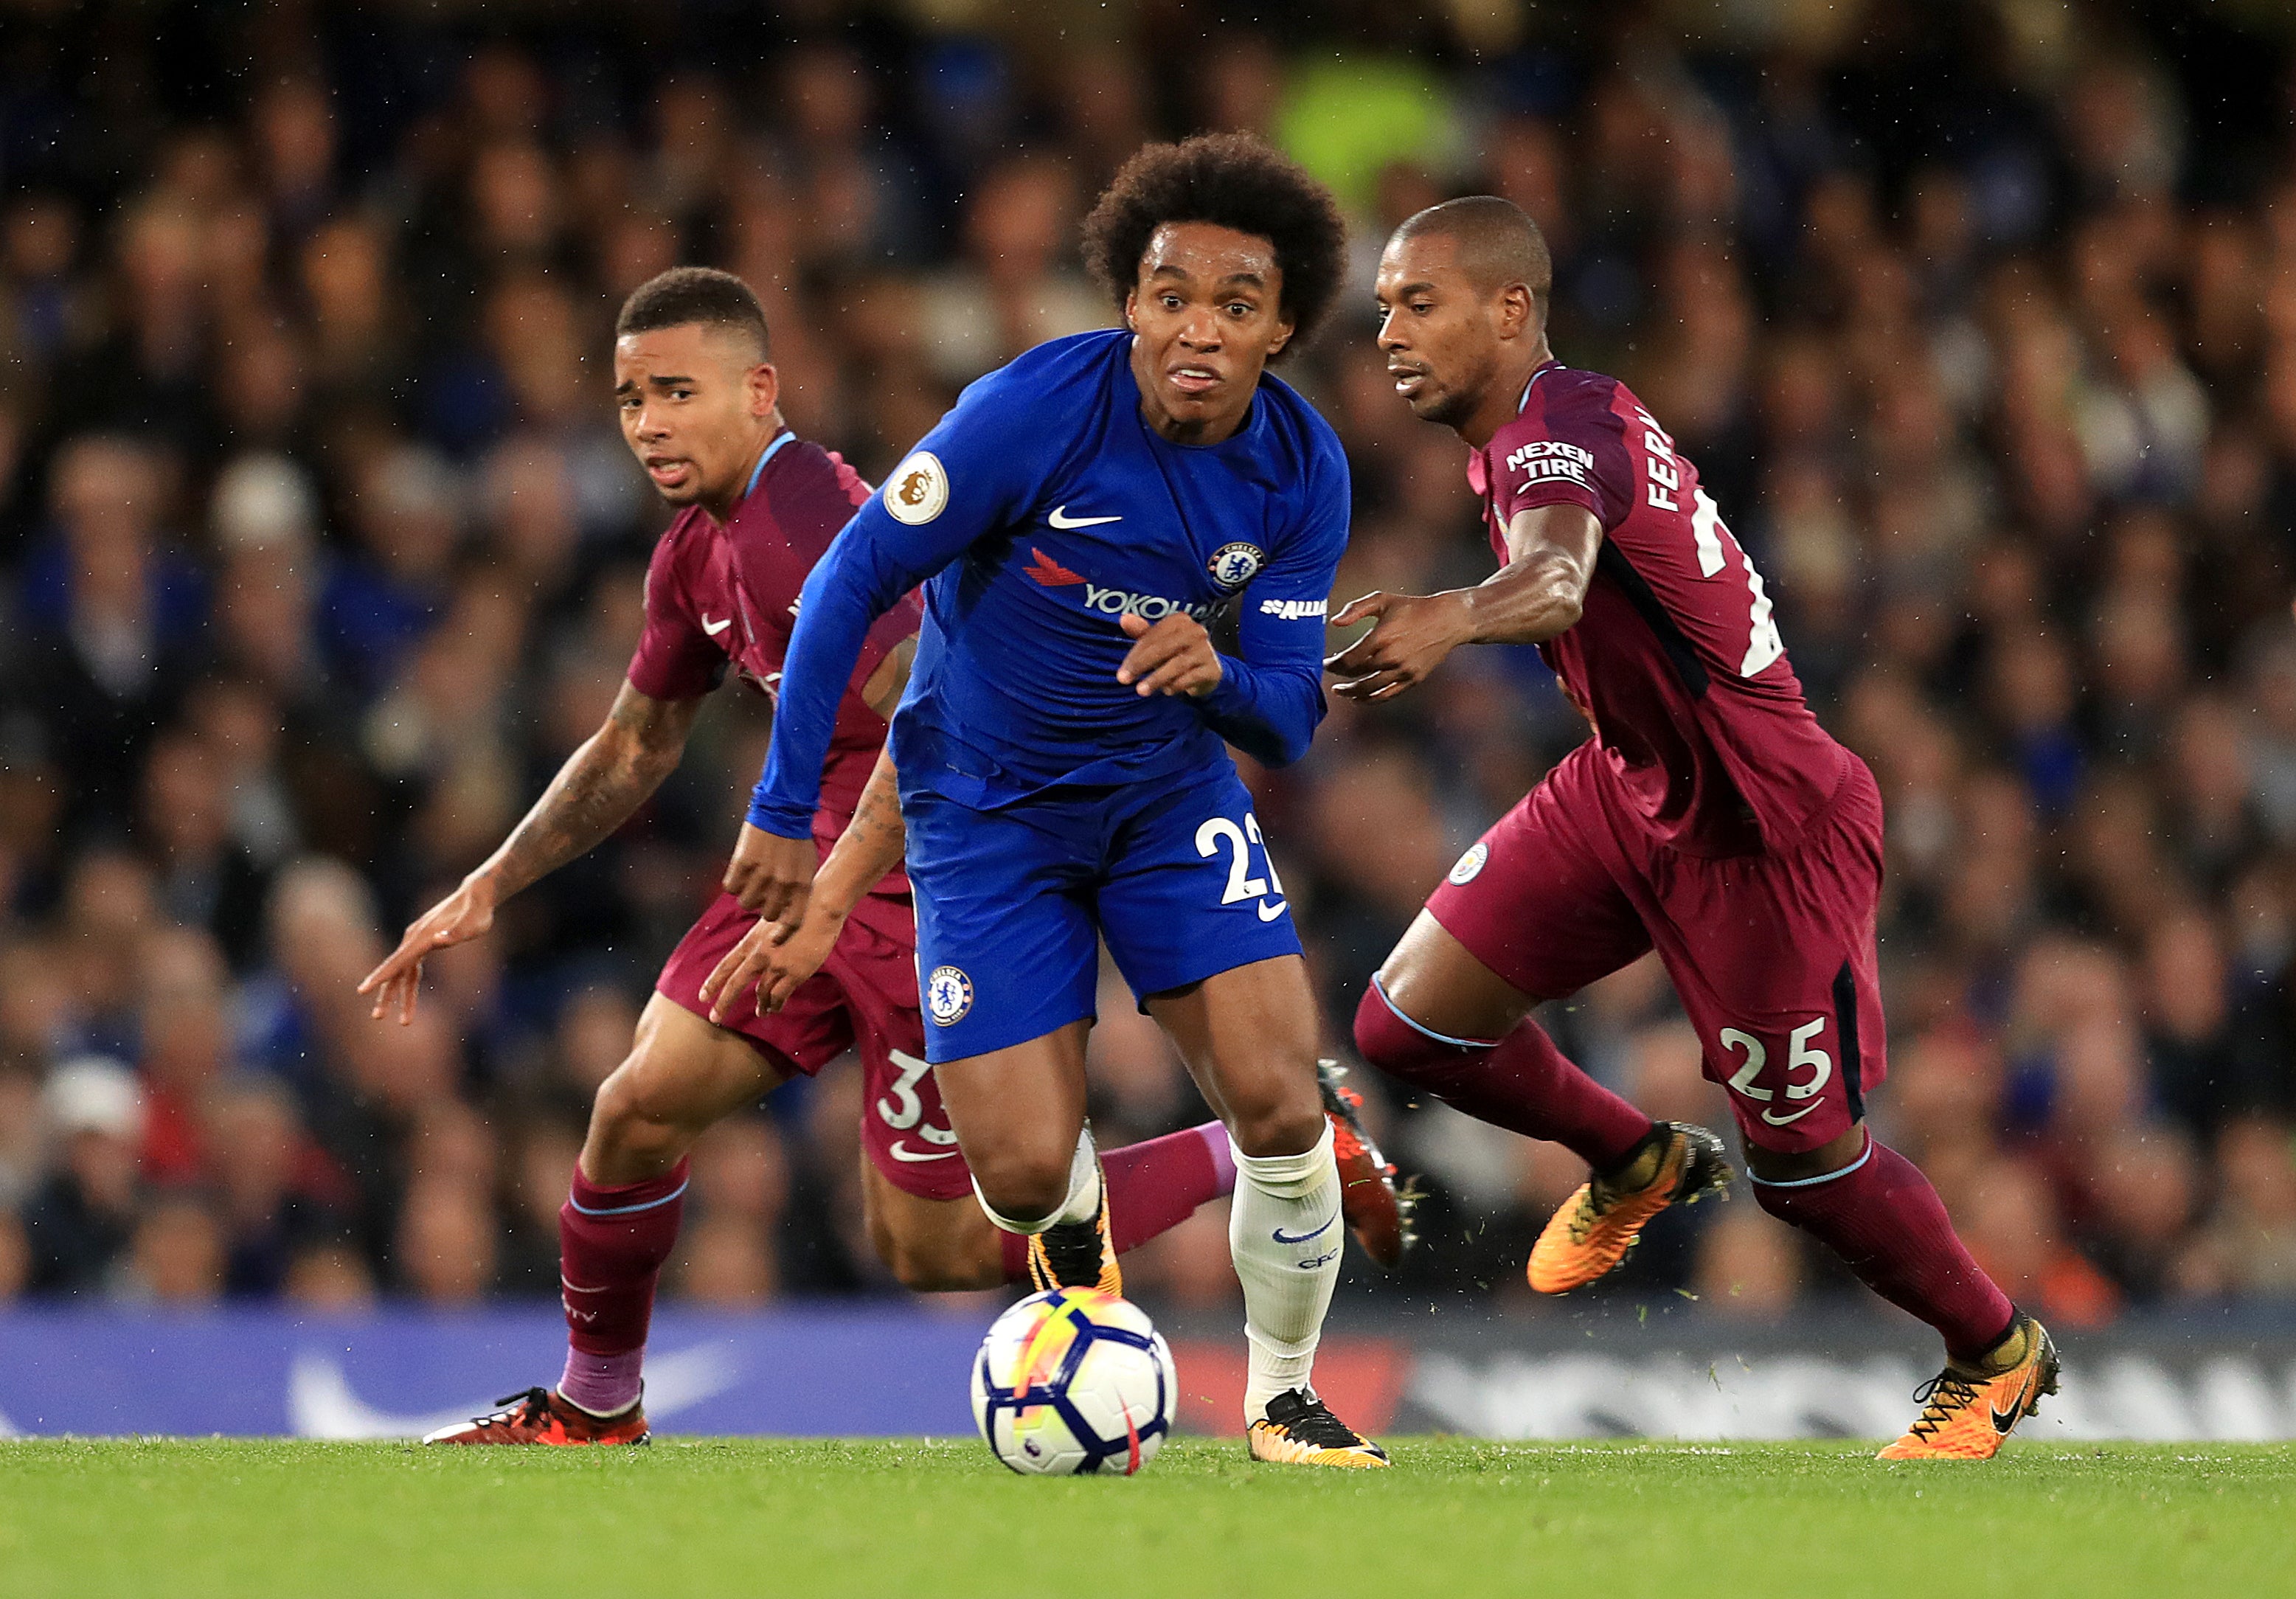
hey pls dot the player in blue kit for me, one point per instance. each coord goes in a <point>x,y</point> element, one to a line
<point>1077,520</point>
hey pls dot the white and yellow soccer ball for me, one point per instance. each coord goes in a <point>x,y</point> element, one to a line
<point>1073,1381</point>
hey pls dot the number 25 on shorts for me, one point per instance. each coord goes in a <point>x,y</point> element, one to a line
<point>1239,843</point>
<point>1802,1055</point>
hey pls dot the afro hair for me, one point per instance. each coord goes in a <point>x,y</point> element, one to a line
<point>1230,180</point>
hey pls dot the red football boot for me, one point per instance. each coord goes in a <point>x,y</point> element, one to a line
<point>540,1416</point>
<point>1378,1212</point>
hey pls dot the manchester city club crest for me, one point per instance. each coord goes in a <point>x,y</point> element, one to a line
<point>1471,863</point>
<point>1234,565</point>
<point>948,995</point>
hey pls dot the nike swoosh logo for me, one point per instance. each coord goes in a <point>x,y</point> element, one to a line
<point>1776,1120</point>
<point>1060,517</point>
<point>714,628</point>
<point>902,1152</point>
<point>1281,1236</point>
<point>1268,912</point>
<point>320,1402</point>
<point>2003,1423</point>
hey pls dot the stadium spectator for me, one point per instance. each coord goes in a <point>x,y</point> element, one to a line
<point>79,1221</point>
<point>319,549</point>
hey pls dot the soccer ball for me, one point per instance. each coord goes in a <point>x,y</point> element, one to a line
<point>1071,1380</point>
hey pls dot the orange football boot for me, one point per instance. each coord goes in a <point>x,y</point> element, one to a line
<point>1378,1211</point>
<point>1966,1415</point>
<point>540,1416</point>
<point>1595,1226</point>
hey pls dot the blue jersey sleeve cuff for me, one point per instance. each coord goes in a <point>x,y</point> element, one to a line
<point>1227,697</point>
<point>1247,709</point>
<point>768,813</point>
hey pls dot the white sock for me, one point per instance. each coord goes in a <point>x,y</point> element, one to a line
<point>1083,1201</point>
<point>1284,1231</point>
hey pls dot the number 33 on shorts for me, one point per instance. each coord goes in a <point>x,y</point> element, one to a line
<point>1219,836</point>
<point>1808,1069</point>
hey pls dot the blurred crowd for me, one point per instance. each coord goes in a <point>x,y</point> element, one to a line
<point>319,550</point>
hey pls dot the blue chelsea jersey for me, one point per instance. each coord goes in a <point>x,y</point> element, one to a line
<point>1041,510</point>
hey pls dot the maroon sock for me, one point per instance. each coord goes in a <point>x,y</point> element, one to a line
<point>1881,1216</point>
<point>1152,1186</point>
<point>1015,1246</point>
<point>1521,1082</point>
<point>611,1243</point>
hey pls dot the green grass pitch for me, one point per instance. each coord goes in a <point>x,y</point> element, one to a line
<point>924,1519</point>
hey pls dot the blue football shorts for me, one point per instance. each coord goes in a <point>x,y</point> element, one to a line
<point>1013,903</point>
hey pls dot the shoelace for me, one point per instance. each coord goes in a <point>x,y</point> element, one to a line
<point>1592,1204</point>
<point>1938,1398</point>
<point>1073,1250</point>
<point>1602,1197</point>
<point>1311,1421</point>
<point>533,1400</point>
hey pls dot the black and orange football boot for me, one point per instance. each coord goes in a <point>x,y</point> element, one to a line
<point>1378,1210</point>
<point>1595,1226</point>
<point>1967,1415</point>
<point>1299,1429</point>
<point>1077,1254</point>
<point>540,1416</point>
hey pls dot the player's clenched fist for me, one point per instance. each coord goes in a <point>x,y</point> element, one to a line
<point>771,875</point>
<point>1410,635</point>
<point>1174,656</point>
<point>458,918</point>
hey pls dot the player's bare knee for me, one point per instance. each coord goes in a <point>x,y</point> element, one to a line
<point>914,1269</point>
<point>1023,1186</point>
<point>1376,1026</point>
<point>628,1133</point>
<point>920,1265</point>
<point>930,1267</point>
<point>1772,1169</point>
<point>1283,1122</point>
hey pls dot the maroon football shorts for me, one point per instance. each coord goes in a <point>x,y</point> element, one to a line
<point>863,997</point>
<point>1772,953</point>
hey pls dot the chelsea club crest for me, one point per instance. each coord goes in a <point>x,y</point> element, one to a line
<point>1234,565</point>
<point>948,995</point>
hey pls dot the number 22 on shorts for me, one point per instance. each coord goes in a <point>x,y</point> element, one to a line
<point>1801,1055</point>
<point>1241,885</point>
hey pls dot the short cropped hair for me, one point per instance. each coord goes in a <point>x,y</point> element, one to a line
<point>691,294</point>
<point>1230,180</point>
<point>1498,244</point>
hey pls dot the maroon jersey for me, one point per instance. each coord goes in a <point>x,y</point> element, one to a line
<point>1675,660</point>
<point>727,596</point>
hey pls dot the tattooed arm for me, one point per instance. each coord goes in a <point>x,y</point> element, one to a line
<point>600,787</point>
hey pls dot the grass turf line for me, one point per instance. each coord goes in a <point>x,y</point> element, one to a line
<point>938,1519</point>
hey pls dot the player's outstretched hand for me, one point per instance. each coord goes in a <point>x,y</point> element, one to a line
<point>1410,635</point>
<point>458,918</point>
<point>771,875</point>
<point>1174,656</point>
<point>776,958</point>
